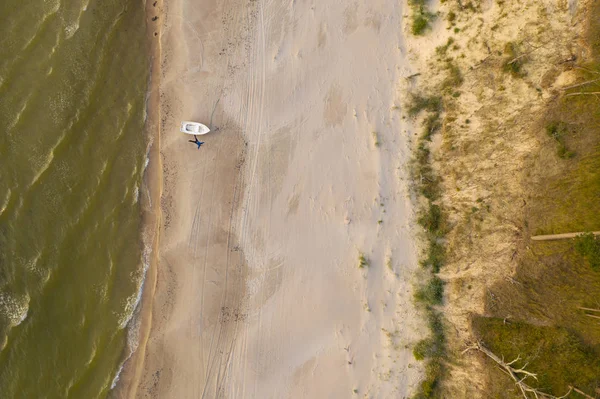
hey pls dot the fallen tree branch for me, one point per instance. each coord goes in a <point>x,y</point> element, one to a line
<point>561,236</point>
<point>580,84</point>
<point>584,93</point>
<point>587,70</point>
<point>518,58</point>
<point>570,59</point>
<point>590,309</point>
<point>579,391</point>
<point>526,54</point>
<point>518,375</point>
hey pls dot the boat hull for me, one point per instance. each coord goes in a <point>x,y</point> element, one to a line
<point>194,128</point>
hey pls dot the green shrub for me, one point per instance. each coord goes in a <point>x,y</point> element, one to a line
<point>421,17</point>
<point>454,78</point>
<point>514,61</point>
<point>424,175</point>
<point>431,124</point>
<point>362,261</point>
<point>432,220</point>
<point>588,246</point>
<point>436,254</point>
<point>451,16</point>
<point>443,49</point>
<point>420,103</point>
<point>558,131</point>
<point>433,351</point>
<point>432,293</point>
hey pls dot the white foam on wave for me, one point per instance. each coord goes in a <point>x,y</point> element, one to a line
<point>46,164</point>
<point>19,113</point>
<point>123,125</point>
<point>53,7</point>
<point>146,163</point>
<point>117,376</point>
<point>136,194</point>
<point>101,171</point>
<point>71,29</point>
<point>14,308</point>
<point>139,276</point>
<point>131,319</point>
<point>32,266</point>
<point>132,345</point>
<point>5,202</point>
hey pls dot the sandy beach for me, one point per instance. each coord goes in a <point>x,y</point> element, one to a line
<point>259,290</point>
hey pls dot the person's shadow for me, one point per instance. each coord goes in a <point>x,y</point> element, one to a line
<point>196,141</point>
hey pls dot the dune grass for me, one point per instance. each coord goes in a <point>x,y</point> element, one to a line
<point>421,17</point>
<point>538,313</point>
<point>430,293</point>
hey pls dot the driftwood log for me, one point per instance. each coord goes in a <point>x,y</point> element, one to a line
<point>563,236</point>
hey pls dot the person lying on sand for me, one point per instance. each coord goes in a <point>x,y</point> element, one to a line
<point>196,141</point>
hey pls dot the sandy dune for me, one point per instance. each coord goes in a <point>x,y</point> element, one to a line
<point>259,292</point>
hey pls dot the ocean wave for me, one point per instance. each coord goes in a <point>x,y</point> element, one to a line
<point>130,305</point>
<point>4,204</point>
<point>14,308</point>
<point>136,194</point>
<point>118,375</point>
<point>42,273</point>
<point>123,127</point>
<point>132,321</point>
<point>146,163</point>
<point>18,114</point>
<point>132,345</point>
<point>139,276</point>
<point>71,29</point>
<point>46,164</point>
<point>53,7</point>
<point>74,27</point>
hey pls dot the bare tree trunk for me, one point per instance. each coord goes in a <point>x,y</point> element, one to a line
<point>579,391</point>
<point>517,375</point>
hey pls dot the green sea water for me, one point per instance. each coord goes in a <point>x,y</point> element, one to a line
<point>73,81</point>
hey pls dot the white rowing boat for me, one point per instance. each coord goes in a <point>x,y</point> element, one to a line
<point>193,128</point>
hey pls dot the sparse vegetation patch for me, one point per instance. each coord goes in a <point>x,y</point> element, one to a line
<point>362,261</point>
<point>514,61</point>
<point>432,219</point>
<point>421,17</point>
<point>558,131</point>
<point>588,246</point>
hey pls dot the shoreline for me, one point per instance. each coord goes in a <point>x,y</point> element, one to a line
<point>237,318</point>
<point>128,379</point>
